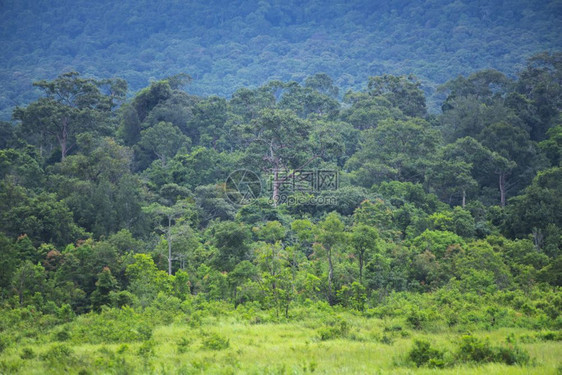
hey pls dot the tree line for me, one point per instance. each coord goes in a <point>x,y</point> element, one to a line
<point>108,201</point>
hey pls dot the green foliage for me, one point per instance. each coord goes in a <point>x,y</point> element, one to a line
<point>231,241</point>
<point>335,329</point>
<point>472,349</point>
<point>27,353</point>
<point>129,236</point>
<point>422,354</point>
<point>271,35</point>
<point>395,150</point>
<point>214,341</point>
<point>111,326</point>
<point>59,355</point>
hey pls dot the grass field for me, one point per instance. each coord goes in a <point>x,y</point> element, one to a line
<point>229,345</point>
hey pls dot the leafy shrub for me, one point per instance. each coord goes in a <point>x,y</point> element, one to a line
<point>393,328</point>
<point>27,353</point>
<point>4,342</point>
<point>183,344</point>
<point>122,298</point>
<point>387,339</point>
<point>511,355</point>
<point>472,349</point>
<point>10,366</point>
<point>58,354</point>
<point>214,341</point>
<point>422,354</point>
<point>146,349</point>
<point>417,318</point>
<point>111,326</point>
<point>336,329</point>
<point>551,336</point>
<point>62,335</point>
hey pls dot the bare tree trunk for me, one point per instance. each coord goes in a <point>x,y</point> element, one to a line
<point>463,198</point>
<point>275,187</point>
<point>330,275</point>
<point>63,139</point>
<point>169,245</point>
<point>361,267</point>
<point>502,188</point>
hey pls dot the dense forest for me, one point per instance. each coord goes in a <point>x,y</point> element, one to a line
<point>227,45</point>
<point>129,243</point>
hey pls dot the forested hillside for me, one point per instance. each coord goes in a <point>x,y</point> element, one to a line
<point>226,45</point>
<point>178,233</point>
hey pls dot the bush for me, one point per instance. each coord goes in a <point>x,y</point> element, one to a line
<point>27,353</point>
<point>472,349</point>
<point>214,341</point>
<point>111,326</point>
<point>183,344</point>
<point>4,342</point>
<point>62,335</point>
<point>58,354</point>
<point>551,336</point>
<point>422,354</point>
<point>146,349</point>
<point>511,355</point>
<point>336,329</point>
<point>417,318</point>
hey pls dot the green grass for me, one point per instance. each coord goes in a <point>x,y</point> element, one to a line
<point>272,348</point>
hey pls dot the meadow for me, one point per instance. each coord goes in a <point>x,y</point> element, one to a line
<point>315,339</point>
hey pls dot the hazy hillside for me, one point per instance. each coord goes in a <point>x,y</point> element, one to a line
<point>225,45</point>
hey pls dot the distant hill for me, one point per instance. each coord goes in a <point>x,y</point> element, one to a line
<point>225,45</point>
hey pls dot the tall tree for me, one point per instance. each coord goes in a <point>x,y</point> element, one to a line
<point>403,92</point>
<point>541,84</point>
<point>400,150</point>
<point>364,239</point>
<point>278,142</point>
<point>171,215</point>
<point>330,234</point>
<point>72,105</point>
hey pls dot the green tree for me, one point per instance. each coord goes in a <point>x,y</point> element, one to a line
<point>541,84</point>
<point>28,280</point>
<point>8,263</point>
<point>72,105</point>
<point>403,92</point>
<point>231,240</point>
<point>364,239</point>
<point>43,218</point>
<point>145,280</point>
<point>280,139</point>
<point>368,111</point>
<point>516,155</point>
<point>400,150</point>
<point>163,140</point>
<point>172,231</point>
<point>451,176</point>
<point>104,286</point>
<point>330,234</point>
<point>538,206</point>
<point>552,146</point>
<point>322,83</point>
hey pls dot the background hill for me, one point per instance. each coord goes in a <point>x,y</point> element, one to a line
<point>226,45</point>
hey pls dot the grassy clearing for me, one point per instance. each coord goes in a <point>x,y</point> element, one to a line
<point>229,345</point>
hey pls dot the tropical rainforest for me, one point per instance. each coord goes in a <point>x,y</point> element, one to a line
<point>290,224</point>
